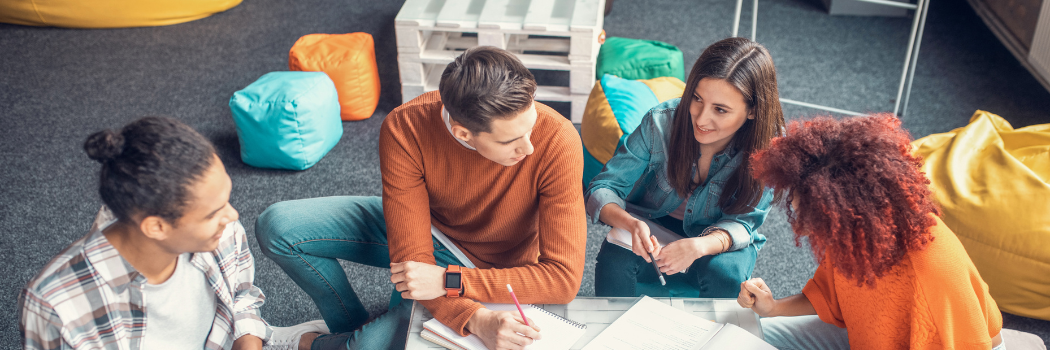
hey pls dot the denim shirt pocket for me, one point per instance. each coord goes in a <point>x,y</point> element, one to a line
<point>714,191</point>
<point>657,190</point>
<point>663,182</point>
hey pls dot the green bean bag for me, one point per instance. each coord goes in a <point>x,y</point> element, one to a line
<point>637,59</point>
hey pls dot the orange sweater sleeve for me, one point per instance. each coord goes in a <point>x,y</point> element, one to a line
<point>406,208</point>
<point>820,290</point>
<point>562,230</point>
<point>964,314</point>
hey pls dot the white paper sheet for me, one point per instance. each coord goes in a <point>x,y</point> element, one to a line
<point>652,325</point>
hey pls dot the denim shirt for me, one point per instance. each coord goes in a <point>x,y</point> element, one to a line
<point>635,178</point>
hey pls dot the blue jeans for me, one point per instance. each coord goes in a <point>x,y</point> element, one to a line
<point>307,237</point>
<point>617,269</point>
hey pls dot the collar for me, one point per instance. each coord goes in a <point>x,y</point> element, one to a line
<point>730,151</point>
<point>111,267</point>
<point>107,261</point>
<point>448,125</point>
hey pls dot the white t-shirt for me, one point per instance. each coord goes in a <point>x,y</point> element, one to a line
<point>179,312</point>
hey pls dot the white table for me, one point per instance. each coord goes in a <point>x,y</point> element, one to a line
<point>560,35</point>
<point>598,313</point>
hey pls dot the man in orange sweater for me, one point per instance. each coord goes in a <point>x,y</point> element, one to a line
<point>480,190</point>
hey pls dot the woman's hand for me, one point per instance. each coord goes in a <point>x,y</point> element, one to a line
<point>755,295</point>
<point>642,243</point>
<point>677,256</point>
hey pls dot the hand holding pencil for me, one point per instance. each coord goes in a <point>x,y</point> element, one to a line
<point>646,246</point>
<point>504,330</point>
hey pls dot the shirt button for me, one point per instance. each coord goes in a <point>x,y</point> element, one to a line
<point>689,211</point>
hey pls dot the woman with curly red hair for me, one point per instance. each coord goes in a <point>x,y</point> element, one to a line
<point>891,275</point>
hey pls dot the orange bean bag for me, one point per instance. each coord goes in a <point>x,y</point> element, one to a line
<point>109,13</point>
<point>350,61</point>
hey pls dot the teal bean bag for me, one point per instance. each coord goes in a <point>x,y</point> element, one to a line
<point>287,120</point>
<point>636,59</point>
<point>591,167</point>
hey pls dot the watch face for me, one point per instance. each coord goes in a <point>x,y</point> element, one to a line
<point>452,281</point>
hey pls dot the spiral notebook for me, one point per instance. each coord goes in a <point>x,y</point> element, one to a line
<point>557,332</point>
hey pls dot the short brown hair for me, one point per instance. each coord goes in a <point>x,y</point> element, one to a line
<point>748,66</point>
<point>485,82</point>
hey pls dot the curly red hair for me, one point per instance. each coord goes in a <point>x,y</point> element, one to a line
<point>861,198</point>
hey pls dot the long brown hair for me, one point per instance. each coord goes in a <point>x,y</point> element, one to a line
<point>747,66</point>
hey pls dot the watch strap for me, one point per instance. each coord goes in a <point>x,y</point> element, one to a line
<point>454,292</point>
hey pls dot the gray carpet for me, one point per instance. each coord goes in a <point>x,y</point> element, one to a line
<point>59,85</point>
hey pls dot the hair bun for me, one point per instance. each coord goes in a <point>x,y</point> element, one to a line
<point>104,145</point>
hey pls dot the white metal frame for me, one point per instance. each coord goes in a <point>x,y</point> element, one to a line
<point>911,57</point>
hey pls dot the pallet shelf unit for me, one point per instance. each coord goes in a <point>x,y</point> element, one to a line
<point>559,35</point>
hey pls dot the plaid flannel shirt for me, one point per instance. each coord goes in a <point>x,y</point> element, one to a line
<point>89,297</point>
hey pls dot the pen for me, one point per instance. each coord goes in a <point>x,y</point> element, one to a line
<point>663,282</point>
<point>518,305</point>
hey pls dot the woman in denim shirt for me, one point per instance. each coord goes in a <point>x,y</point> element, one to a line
<point>686,168</point>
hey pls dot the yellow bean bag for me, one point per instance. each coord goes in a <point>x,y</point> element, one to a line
<point>991,181</point>
<point>109,13</point>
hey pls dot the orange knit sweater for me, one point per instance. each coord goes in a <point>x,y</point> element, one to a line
<point>524,225</point>
<point>934,299</point>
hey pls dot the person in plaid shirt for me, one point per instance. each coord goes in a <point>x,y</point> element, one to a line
<point>166,264</point>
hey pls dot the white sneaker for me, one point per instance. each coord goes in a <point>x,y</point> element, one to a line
<point>287,338</point>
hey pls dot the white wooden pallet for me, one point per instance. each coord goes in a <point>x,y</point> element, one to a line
<point>559,35</point>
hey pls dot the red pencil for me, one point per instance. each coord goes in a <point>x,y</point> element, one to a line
<point>523,318</point>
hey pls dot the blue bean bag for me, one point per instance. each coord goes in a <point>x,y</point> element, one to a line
<point>287,120</point>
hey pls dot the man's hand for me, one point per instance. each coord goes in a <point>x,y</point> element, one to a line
<point>502,330</point>
<point>642,243</point>
<point>755,295</point>
<point>418,281</point>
